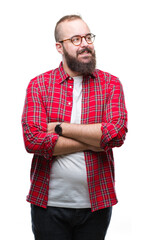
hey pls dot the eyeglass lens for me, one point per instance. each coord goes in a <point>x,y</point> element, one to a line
<point>76,40</point>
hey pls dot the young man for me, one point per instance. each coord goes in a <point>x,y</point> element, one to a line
<point>73,116</point>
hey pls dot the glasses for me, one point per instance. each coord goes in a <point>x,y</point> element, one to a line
<point>77,39</point>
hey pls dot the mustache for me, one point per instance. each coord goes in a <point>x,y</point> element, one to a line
<point>86,49</point>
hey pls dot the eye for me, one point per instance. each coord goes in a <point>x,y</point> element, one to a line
<point>76,39</point>
<point>89,37</point>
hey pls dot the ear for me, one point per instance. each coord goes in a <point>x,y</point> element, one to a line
<point>59,47</point>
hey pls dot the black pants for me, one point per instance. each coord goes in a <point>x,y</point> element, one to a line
<point>56,223</point>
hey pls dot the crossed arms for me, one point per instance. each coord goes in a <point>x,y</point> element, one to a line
<point>77,137</point>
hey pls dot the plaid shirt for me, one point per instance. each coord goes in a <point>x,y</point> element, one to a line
<point>49,99</point>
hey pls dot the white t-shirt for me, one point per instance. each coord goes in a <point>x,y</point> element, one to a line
<point>68,177</point>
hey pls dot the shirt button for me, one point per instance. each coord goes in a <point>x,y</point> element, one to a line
<point>70,86</point>
<point>69,103</point>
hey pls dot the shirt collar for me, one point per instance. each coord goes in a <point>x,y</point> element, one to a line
<point>64,76</point>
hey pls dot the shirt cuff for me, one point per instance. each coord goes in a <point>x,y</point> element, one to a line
<point>109,132</point>
<point>50,144</point>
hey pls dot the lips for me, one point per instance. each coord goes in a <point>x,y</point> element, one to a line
<point>84,51</point>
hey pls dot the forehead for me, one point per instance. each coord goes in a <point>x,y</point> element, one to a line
<point>74,27</point>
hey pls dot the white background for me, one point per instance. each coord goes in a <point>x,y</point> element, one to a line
<point>27,48</point>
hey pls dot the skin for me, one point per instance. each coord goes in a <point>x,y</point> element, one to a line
<point>75,137</point>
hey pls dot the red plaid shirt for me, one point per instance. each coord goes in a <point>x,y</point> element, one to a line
<point>49,99</point>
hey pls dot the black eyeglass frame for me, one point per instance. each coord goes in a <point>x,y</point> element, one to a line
<point>84,36</point>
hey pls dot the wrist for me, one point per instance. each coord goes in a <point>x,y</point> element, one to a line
<point>58,129</point>
<point>64,127</point>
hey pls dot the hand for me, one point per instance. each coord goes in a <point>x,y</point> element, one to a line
<point>51,127</point>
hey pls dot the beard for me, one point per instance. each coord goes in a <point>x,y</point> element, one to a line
<point>83,68</point>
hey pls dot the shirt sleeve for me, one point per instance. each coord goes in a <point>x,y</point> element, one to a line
<point>114,125</point>
<point>34,123</point>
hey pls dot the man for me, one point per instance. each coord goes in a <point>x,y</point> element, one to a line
<point>73,116</point>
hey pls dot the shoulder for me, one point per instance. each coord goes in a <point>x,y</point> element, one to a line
<point>107,79</point>
<point>43,79</point>
<point>105,76</point>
